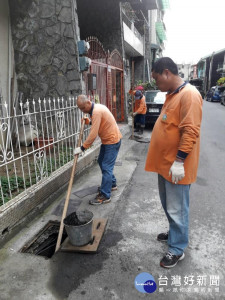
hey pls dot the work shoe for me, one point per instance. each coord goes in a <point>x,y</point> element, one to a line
<point>163,237</point>
<point>99,199</point>
<point>136,130</point>
<point>170,260</point>
<point>114,188</point>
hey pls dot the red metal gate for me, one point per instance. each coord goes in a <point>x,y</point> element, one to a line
<point>116,64</point>
<point>109,78</point>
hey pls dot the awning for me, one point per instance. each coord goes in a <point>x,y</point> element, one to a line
<point>160,30</point>
<point>164,4</point>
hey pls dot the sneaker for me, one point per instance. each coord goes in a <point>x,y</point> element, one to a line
<point>170,260</point>
<point>163,237</point>
<point>114,188</point>
<point>100,199</point>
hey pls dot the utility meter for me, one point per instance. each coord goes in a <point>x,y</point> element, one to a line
<point>84,63</point>
<point>83,47</point>
<point>92,81</point>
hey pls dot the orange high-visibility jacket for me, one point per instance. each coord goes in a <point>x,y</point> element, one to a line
<point>139,105</point>
<point>177,128</point>
<point>103,125</point>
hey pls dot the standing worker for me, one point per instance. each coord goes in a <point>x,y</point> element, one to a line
<point>139,110</point>
<point>105,126</point>
<point>174,154</point>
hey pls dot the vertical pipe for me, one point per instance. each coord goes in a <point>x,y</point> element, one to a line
<point>132,85</point>
<point>9,67</point>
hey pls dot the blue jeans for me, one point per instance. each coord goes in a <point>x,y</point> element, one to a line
<point>106,160</point>
<point>139,119</point>
<point>175,202</point>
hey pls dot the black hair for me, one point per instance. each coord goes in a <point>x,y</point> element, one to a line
<point>165,63</point>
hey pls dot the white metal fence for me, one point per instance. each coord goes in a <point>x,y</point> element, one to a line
<point>36,139</point>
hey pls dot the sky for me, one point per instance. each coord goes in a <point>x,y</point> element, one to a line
<point>194,29</point>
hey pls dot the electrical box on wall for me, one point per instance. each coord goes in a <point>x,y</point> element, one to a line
<point>83,47</point>
<point>84,63</point>
<point>92,82</point>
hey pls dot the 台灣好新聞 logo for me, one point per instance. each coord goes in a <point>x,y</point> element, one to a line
<point>145,283</point>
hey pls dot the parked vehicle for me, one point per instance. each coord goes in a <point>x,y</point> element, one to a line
<point>154,101</point>
<point>214,94</point>
<point>198,83</point>
<point>222,95</point>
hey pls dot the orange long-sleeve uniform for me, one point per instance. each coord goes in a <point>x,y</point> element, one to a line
<point>177,129</point>
<point>103,125</point>
<point>139,105</point>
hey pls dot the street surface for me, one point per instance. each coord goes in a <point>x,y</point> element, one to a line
<point>129,246</point>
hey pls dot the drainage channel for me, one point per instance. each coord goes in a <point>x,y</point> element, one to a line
<point>44,242</point>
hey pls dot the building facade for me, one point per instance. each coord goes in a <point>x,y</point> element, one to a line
<point>40,58</point>
<point>211,68</point>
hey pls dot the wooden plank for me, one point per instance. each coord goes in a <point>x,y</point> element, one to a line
<point>98,229</point>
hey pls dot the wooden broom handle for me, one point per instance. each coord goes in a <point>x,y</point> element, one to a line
<point>69,188</point>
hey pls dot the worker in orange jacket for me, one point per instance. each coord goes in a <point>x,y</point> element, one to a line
<point>174,154</point>
<point>103,124</point>
<point>140,109</point>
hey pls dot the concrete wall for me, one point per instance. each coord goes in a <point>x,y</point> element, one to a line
<point>45,34</point>
<point>6,55</point>
<point>184,71</point>
<point>153,19</point>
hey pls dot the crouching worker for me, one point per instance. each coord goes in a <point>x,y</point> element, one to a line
<point>139,111</point>
<point>103,125</point>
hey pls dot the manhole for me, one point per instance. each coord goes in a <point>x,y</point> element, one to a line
<point>44,242</point>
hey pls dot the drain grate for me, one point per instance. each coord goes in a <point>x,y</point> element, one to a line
<point>44,242</point>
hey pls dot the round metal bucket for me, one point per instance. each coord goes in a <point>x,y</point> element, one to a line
<point>78,226</point>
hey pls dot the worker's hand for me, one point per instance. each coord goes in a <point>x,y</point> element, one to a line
<point>134,114</point>
<point>87,120</point>
<point>177,171</point>
<point>77,151</point>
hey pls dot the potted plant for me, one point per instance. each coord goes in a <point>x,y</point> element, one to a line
<point>44,139</point>
<point>145,86</point>
<point>221,81</point>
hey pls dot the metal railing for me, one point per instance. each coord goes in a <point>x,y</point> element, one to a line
<point>36,139</point>
<point>129,17</point>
